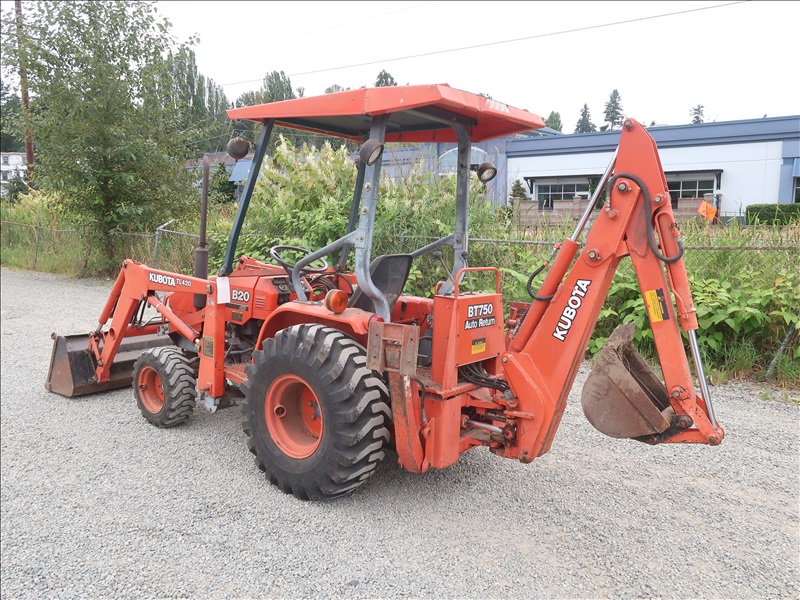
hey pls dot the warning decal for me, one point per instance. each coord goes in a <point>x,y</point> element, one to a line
<point>479,345</point>
<point>656,305</point>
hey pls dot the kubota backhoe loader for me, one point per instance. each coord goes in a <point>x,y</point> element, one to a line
<point>332,366</point>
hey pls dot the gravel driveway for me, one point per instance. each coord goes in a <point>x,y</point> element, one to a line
<point>96,503</point>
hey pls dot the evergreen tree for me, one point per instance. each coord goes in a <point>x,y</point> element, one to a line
<point>697,114</point>
<point>614,113</point>
<point>518,192</point>
<point>584,124</point>
<point>554,121</point>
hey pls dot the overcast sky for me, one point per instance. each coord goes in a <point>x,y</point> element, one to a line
<point>739,60</point>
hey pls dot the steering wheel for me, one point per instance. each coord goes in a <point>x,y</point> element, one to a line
<point>275,253</point>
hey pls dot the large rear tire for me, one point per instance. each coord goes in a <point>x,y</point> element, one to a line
<point>316,417</point>
<point>164,386</point>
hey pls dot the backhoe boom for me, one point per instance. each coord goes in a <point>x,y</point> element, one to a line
<point>637,222</point>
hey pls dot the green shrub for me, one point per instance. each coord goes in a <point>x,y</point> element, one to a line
<point>773,214</point>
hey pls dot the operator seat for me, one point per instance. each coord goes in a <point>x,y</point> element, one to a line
<point>389,273</point>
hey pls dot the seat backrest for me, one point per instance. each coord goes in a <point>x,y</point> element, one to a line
<point>389,273</point>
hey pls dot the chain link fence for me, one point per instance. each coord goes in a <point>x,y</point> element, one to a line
<point>710,253</point>
<point>69,251</point>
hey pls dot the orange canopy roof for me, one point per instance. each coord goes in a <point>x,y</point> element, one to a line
<point>416,114</point>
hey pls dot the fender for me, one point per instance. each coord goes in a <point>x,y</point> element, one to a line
<point>353,321</point>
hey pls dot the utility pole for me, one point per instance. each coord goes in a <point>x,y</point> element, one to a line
<point>23,80</point>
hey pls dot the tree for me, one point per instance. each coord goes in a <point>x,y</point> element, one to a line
<point>104,142</point>
<point>335,88</point>
<point>614,113</point>
<point>276,87</point>
<point>16,187</point>
<point>199,102</point>
<point>384,80</point>
<point>584,124</point>
<point>518,192</point>
<point>697,114</point>
<point>220,188</point>
<point>10,136</point>
<point>554,121</point>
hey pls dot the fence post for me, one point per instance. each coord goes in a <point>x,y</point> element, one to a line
<point>36,250</point>
<point>155,243</point>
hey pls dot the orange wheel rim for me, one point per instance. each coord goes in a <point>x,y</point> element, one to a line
<point>293,416</point>
<point>151,389</point>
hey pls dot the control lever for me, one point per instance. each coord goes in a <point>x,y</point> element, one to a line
<point>438,256</point>
<point>469,273</point>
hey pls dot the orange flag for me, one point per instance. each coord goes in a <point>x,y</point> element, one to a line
<point>706,210</point>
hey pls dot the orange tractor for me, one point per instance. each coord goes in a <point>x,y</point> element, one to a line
<point>333,366</point>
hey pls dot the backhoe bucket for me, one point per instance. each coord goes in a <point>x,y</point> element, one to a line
<point>73,369</point>
<point>623,397</point>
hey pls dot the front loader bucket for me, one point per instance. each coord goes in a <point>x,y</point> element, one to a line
<point>622,397</point>
<point>73,369</point>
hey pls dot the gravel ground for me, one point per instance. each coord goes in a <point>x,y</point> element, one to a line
<point>96,503</point>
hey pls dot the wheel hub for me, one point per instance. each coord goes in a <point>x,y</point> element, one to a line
<point>292,415</point>
<point>151,389</point>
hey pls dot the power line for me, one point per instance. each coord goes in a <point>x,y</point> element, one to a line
<point>305,33</point>
<point>500,42</point>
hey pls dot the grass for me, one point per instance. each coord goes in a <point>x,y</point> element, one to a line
<point>38,238</point>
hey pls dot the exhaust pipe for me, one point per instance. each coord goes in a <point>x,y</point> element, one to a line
<point>201,252</point>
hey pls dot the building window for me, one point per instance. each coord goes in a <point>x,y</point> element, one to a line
<point>5,176</point>
<point>5,160</point>
<point>547,194</point>
<point>685,189</point>
<point>797,189</point>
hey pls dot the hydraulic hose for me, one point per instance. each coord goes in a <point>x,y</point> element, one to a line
<point>651,240</point>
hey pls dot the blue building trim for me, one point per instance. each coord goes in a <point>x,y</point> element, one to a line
<point>677,136</point>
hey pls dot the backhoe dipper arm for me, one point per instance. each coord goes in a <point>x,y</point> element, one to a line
<point>541,364</point>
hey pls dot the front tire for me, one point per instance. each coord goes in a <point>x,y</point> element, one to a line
<point>316,417</point>
<point>164,386</point>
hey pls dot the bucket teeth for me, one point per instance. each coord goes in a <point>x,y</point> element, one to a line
<point>622,397</point>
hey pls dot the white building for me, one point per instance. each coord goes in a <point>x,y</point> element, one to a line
<point>734,164</point>
<point>11,165</point>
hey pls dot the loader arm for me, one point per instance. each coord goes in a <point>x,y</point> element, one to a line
<point>544,355</point>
